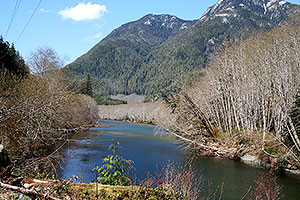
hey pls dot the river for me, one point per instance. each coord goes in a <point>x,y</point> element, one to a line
<point>151,151</point>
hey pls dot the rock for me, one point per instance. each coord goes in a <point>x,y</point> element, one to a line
<point>28,185</point>
<point>297,172</point>
<point>252,160</point>
<point>21,196</point>
<point>289,166</point>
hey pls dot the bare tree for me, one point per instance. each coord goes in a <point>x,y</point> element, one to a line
<point>246,96</point>
<point>39,113</point>
<point>44,60</point>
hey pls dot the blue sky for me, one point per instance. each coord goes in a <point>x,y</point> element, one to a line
<point>72,27</point>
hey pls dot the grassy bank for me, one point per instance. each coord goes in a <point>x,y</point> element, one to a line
<point>173,185</point>
<point>49,189</point>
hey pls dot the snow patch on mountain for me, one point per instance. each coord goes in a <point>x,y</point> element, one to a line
<point>230,9</point>
<point>271,2</point>
<point>271,8</point>
<point>147,22</point>
<point>183,26</point>
<point>282,3</point>
<point>216,5</point>
<point>265,8</point>
<point>223,15</point>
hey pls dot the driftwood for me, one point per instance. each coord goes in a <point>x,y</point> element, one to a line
<point>199,114</point>
<point>5,173</point>
<point>214,149</point>
<point>26,191</point>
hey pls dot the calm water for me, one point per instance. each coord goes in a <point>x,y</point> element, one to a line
<point>151,152</point>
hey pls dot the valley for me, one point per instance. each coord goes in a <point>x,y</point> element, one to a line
<point>156,108</point>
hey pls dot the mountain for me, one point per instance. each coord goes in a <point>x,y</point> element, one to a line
<point>114,60</point>
<point>151,29</point>
<point>227,20</point>
<point>152,53</point>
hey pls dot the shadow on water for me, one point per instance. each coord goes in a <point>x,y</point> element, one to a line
<point>151,152</point>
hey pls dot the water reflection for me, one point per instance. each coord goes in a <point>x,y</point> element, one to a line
<point>149,151</point>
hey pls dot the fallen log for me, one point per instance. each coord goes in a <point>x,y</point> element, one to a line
<point>26,191</point>
<point>214,148</point>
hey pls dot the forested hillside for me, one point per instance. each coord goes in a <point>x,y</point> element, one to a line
<point>115,62</point>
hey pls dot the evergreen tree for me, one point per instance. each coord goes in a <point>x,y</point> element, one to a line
<point>11,60</point>
<point>86,86</point>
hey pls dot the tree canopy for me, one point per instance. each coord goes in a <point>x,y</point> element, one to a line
<point>11,60</point>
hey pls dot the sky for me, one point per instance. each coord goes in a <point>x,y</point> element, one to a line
<point>72,27</point>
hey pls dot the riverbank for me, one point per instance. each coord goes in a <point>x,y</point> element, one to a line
<point>156,113</point>
<point>58,189</point>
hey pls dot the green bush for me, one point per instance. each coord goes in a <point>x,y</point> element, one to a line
<point>116,169</point>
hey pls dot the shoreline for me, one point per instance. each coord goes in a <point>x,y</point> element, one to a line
<point>141,121</point>
<point>219,150</point>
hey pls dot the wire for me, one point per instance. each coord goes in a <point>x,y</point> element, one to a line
<point>29,20</point>
<point>17,5</point>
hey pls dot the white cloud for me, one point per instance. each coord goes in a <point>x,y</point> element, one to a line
<point>46,11</point>
<point>93,37</point>
<point>84,12</point>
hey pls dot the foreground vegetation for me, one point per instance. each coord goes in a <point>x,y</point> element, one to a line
<point>114,182</point>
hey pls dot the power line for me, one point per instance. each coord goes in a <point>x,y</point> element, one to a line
<point>17,5</point>
<point>29,21</point>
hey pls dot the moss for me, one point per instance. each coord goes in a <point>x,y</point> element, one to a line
<point>63,189</point>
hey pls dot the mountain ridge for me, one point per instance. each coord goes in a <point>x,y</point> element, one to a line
<point>164,27</point>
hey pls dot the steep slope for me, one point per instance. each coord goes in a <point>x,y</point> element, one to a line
<point>115,60</point>
<point>150,54</point>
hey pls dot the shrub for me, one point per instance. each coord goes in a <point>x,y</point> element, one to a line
<point>38,114</point>
<point>116,169</point>
<point>266,188</point>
